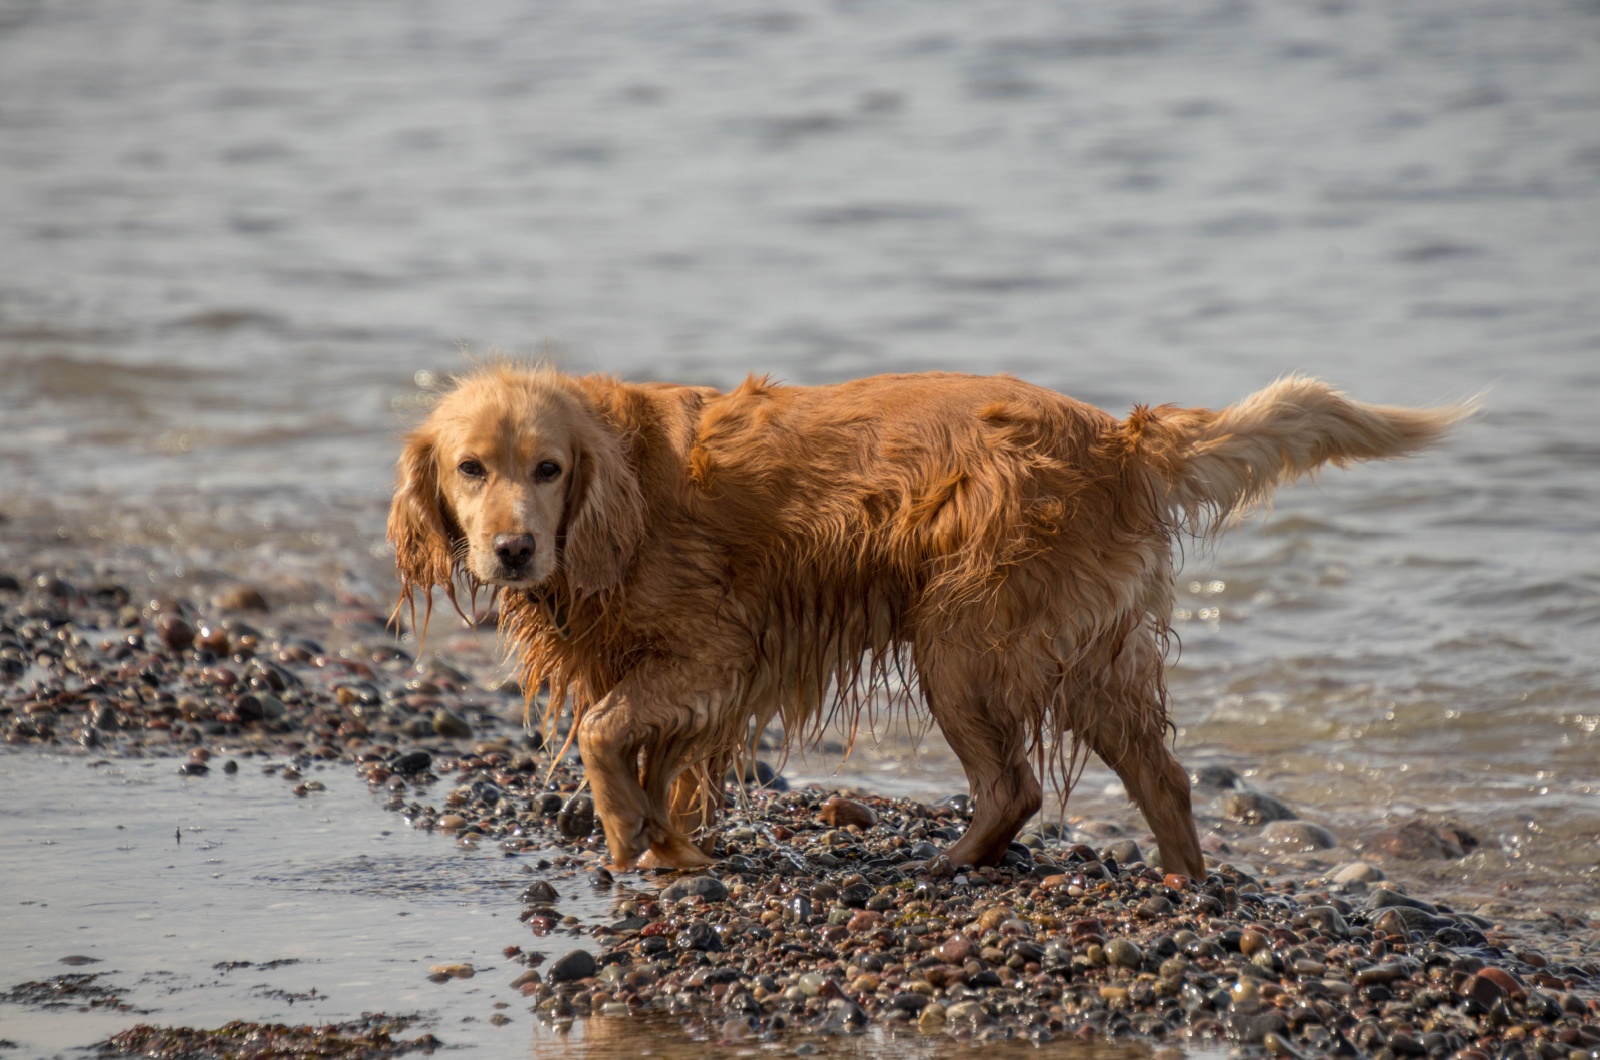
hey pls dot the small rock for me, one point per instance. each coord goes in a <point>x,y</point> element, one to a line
<point>841,813</point>
<point>1299,836</point>
<point>1254,807</point>
<point>453,970</point>
<point>1418,839</point>
<point>175,633</point>
<point>1215,777</point>
<point>712,890</point>
<point>1356,872</point>
<point>240,598</point>
<point>576,818</point>
<point>412,763</point>
<point>956,949</point>
<point>1124,953</point>
<point>540,892</point>
<point>579,964</point>
<point>759,775</point>
<point>446,723</point>
<point>1123,852</point>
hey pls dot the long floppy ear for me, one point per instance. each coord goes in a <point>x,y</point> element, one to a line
<point>423,533</point>
<point>605,512</point>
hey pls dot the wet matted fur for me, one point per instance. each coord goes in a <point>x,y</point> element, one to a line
<point>681,567</point>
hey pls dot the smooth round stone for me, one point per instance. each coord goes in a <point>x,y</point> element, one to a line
<point>1244,995</point>
<point>450,822</point>
<point>1254,807</point>
<point>579,964</point>
<point>956,949</point>
<point>1174,968</point>
<point>175,633</point>
<point>1124,954</point>
<point>411,763</point>
<point>454,970</point>
<point>841,813</point>
<point>576,818</point>
<point>810,984</point>
<point>446,723</point>
<point>1356,872</point>
<point>1299,836</point>
<point>1252,943</point>
<point>614,1009</point>
<point>1123,852</point>
<point>712,890</point>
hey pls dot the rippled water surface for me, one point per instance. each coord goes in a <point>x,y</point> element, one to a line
<point>233,235</point>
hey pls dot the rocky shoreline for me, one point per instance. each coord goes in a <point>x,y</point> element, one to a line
<point>829,912</point>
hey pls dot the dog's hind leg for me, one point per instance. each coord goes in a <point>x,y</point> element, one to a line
<point>991,744</point>
<point>1125,731</point>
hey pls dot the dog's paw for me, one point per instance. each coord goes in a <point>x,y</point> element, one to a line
<point>674,854</point>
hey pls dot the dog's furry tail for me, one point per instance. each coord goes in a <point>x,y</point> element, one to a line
<point>1216,464</point>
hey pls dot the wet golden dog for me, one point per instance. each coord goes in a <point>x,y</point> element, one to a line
<point>681,567</point>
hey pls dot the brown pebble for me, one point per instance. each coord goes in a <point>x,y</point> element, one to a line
<point>1504,980</point>
<point>956,949</point>
<point>213,638</point>
<point>841,813</point>
<point>175,633</point>
<point>240,598</point>
<point>864,920</point>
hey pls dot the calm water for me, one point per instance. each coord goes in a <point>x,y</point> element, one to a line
<point>232,235</point>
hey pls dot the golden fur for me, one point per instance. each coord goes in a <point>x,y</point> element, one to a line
<point>681,567</point>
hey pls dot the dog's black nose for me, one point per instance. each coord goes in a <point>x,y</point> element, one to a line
<point>514,550</point>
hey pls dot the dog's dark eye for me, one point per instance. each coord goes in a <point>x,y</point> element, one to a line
<point>471,469</point>
<point>547,472</point>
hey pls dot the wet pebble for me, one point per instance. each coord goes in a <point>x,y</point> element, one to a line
<point>576,818</point>
<point>1254,807</point>
<point>840,813</point>
<point>712,890</point>
<point>576,965</point>
<point>448,723</point>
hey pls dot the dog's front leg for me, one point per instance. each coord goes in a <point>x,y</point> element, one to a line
<point>635,742</point>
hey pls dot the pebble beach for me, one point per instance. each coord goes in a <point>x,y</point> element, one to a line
<point>832,913</point>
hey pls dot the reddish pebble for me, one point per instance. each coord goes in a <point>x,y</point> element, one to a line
<point>213,638</point>
<point>1505,981</point>
<point>1176,880</point>
<point>956,949</point>
<point>865,920</point>
<point>841,813</point>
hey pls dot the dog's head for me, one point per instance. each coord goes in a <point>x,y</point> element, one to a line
<point>514,477</point>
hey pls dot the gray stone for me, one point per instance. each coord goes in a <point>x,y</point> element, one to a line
<point>712,890</point>
<point>1254,807</point>
<point>1299,835</point>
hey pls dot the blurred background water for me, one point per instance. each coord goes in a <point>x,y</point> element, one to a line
<point>238,240</point>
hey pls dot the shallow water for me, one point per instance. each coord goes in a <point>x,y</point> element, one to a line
<point>236,239</point>
<point>202,900</point>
